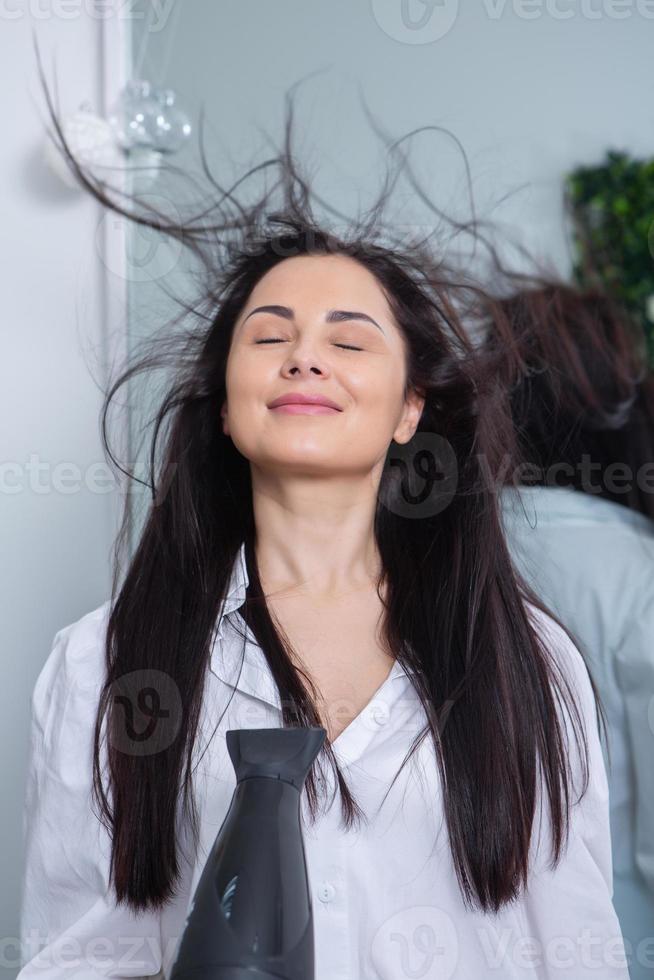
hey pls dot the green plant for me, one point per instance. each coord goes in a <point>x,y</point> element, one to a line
<point>612,212</point>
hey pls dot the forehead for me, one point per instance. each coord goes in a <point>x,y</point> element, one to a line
<point>321,281</point>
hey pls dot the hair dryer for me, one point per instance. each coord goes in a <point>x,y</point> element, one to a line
<point>251,916</point>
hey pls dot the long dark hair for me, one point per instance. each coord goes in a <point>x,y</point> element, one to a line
<point>455,609</point>
<point>575,368</point>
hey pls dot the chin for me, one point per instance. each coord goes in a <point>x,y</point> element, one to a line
<point>306,460</point>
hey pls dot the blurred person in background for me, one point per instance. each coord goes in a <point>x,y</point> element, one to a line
<point>578,509</point>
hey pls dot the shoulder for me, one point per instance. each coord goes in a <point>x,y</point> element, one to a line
<point>567,659</point>
<point>64,706</point>
<point>577,709</point>
<point>75,662</point>
<point>557,640</point>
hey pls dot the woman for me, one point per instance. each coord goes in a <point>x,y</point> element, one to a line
<point>340,566</point>
<point>581,529</point>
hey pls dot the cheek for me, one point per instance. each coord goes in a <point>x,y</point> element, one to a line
<point>378,387</point>
<point>243,378</point>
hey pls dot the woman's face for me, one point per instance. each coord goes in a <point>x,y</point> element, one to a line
<point>314,339</point>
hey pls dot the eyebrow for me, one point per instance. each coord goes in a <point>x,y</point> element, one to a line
<point>333,316</point>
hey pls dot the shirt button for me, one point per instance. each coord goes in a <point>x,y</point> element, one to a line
<point>326,892</point>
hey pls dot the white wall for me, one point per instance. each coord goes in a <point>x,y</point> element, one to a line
<point>55,542</point>
<point>530,87</point>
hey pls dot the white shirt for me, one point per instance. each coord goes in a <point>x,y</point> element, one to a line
<point>386,903</point>
<point>592,561</point>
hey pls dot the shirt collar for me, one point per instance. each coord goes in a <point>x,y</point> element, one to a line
<point>247,669</point>
<point>236,588</point>
<point>239,666</point>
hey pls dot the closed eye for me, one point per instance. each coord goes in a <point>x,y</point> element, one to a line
<point>279,340</point>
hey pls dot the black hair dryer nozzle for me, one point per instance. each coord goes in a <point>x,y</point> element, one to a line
<point>251,916</point>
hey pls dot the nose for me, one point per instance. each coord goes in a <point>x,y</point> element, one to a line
<point>303,359</point>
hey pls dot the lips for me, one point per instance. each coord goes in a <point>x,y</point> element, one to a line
<point>304,408</point>
<point>297,402</point>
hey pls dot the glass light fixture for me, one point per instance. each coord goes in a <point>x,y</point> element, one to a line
<point>146,117</point>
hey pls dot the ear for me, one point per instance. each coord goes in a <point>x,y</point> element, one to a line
<point>413,406</point>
